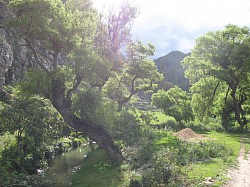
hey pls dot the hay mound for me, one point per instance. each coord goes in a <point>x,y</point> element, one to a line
<point>187,133</point>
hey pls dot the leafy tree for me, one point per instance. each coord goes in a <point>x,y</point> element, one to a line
<point>224,55</point>
<point>174,102</point>
<point>139,74</point>
<point>204,95</point>
<point>71,55</point>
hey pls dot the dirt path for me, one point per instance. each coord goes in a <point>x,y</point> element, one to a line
<point>241,175</point>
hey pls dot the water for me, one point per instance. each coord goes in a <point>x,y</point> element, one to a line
<point>62,167</point>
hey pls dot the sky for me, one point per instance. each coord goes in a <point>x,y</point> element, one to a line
<point>172,25</point>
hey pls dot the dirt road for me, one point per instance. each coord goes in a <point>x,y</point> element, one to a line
<point>241,175</point>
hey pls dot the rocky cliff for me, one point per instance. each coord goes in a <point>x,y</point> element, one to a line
<point>14,55</point>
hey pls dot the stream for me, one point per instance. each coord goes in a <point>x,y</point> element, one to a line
<point>62,167</point>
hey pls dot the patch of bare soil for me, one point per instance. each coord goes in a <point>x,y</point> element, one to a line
<point>240,176</point>
<point>189,134</point>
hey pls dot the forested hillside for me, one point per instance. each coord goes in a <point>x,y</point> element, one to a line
<point>172,70</point>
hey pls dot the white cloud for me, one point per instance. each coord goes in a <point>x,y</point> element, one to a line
<point>175,24</point>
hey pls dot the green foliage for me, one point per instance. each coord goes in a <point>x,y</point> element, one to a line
<point>172,70</point>
<point>204,98</point>
<point>147,117</point>
<point>92,107</point>
<point>163,171</point>
<point>215,167</point>
<point>201,151</point>
<point>126,128</point>
<point>138,74</point>
<point>159,118</point>
<point>34,123</point>
<point>174,102</point>
<point>223,55</point>
<point>212,124</point>
<point>21,180</point>
<point>37,82</point>
<point>55,25</point>
<point>6,140</point>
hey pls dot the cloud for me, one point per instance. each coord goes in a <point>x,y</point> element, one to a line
<point>176,24</point>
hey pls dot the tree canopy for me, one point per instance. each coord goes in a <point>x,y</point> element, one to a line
<point>73,53</point>
<point>223,55</point>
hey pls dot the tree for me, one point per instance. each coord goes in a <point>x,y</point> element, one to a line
<point>224,55</point>
<point>138,74</point>
<point>63,42</point>
<point>174,102</point>
<point>114,35</point>
<point>204,94</point>
<point>31,120</point>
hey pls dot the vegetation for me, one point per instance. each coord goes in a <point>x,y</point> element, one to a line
<point>223,56</point>
<point>172,70</point>
<point>75,75</point>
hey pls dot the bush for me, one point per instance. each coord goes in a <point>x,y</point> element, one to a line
<point>213,124</point>
<point>126,128</point>
<point>200,151</point>
<point>21,180</point>
<point>163,170</point>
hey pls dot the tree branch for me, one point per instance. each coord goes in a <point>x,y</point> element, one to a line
<point>78,80</point>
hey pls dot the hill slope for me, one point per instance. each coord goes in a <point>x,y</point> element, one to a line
<point>173,72</point>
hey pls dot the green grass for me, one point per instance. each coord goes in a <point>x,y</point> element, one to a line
<point>97,171</point>
<point>215,168</point>
<point>161,118</point>
<point>168,140</point>
<point>156,118</point>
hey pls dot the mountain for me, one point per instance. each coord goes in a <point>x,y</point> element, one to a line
<point>172,70</point>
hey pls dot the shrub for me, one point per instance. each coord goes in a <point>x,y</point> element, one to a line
<point>126,128</point>
<point>21,180</point>
<point>212,124</point>
<point>199,151</point>
<point>163,170</point>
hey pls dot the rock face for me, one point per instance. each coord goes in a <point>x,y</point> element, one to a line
<point>14,56</point>
<point>6,53</point>
<point>3,12</point>
<point>6,56</point>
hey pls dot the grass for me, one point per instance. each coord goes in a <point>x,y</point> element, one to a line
<point>97,171</point>
<point>216,168</point>
<point>155,118</point>
<point>161,118</point>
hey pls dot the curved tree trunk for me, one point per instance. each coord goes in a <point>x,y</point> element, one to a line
<point>94,131</point>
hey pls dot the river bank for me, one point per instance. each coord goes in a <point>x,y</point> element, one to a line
<point>63,166</point>
<point>98,171</point>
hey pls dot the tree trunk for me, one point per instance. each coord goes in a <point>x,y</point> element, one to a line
<point>237,109</point>
<point>94,131</point>
<point>243,98</point>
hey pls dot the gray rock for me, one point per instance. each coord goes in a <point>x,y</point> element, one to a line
<point>6,56</point>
